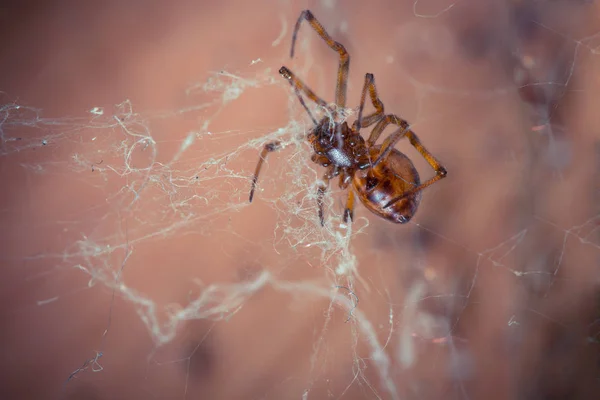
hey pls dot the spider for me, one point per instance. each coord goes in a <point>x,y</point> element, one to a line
<point>384,179</point>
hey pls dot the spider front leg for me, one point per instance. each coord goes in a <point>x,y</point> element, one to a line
<point>390,142</point>
<point>344,64</point>
<point>301,87</point>
<point>269,147</point>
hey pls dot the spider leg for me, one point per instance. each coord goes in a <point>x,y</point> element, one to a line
<point>305,106</point>
<point>331,172</point>
<point>363,122</point>
<point>383,123</point>
<point>301,87</point>
<point>269,147</point>
<point>390,142</point>
<point>320,195</point>
<point>345,181</point>
<point>349,211</point>
<point>344,65</point>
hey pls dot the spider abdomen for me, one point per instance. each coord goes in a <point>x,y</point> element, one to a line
<point>381,184</point>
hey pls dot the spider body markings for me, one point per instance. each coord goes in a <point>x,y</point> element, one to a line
<point>384,179</point>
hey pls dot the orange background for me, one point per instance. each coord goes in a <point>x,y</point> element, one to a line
<point>490,292</point>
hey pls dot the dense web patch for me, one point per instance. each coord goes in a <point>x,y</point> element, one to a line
<point>163,198</point>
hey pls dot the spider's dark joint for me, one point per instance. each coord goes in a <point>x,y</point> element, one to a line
<point>384,179</point>
<point>272,146</point>
<point>348,215</point>
<point>286,73</point>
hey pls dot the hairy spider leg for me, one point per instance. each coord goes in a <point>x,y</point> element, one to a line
<point>269,148</point>
<point>363,122</point>
<point>344,64</point>
<point>331,172</point>
<point>321,194</point>
<point>345,181</point>
<point>349,211</point>
<point>389,143</point>
<point>315,123</point>
<point>300,86</point>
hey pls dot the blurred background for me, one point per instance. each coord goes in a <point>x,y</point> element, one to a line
<point>133,266</point>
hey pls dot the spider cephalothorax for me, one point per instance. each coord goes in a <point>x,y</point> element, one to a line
<point>338,145</point>
<point>384,179</point>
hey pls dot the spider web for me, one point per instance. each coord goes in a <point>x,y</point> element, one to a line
<point>135,267</point>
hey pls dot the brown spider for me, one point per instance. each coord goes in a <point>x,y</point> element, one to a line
<point>384,179</point>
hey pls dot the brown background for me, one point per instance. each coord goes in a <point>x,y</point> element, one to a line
<point>490,292</point>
